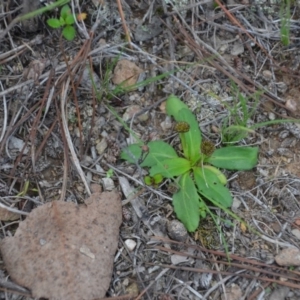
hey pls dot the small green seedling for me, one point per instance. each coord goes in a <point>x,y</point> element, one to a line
<point>66,21</point>
<point>155,180</point>
<point>195,171</point>
<point>236,126</point>
<point>109,173</point>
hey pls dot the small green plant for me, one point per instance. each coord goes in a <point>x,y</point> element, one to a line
<point>109,173</point>
<point>195,171</point>
<point>236,126</point>
<point>65,21</point>
<point>155,180</point>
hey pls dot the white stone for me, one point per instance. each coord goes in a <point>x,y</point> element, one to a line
<point>296,233</point>
<point>131,244</point>
<point>177,259</point>
<point>101,146</point>
<point>108,184</point>
<point>17,144</point>
<point>271,116</point>
<point>235,204</point>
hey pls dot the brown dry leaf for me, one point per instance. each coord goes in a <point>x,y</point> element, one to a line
<point>243,227</point>
<point>64,251</point>
<point>35,69</point>
<point>6,215</point>
<point>234,292</point>
<point>126,73</point>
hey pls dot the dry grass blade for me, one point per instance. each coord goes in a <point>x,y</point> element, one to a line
<point>125,27</point>
<point>68,136</point>
<point>12,287</point>
<point>5,116</point>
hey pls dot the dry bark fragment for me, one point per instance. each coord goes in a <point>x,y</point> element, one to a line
<point>64,251</point>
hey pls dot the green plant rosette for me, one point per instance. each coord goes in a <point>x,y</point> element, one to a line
<point>197,175</point>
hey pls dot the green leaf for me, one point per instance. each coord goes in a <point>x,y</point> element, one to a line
<point>190,140</point>
<point>53,23</point>
<point>172,167</point>
<point>221,177</point>
<point>70,19</point>
<point>174,105</point>
<point>62,21</point>
<point>234,158</point>
<point>211,187</point>
<point>132,153</point>
<point>158,151</point>
<point>158,178</point>
<point>65,11</point>
<point>186,203</point>
<point>69,33</point>
<point>148,180</point>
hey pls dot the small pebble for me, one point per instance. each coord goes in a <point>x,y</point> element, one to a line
<point>281,87</point>
<point>267,74</point>
<point>108,184</point>
<point>126,73</point>
<point>296,233</point>
<point>130,244</point>
<point>271,116</point>
<point>143,117</point>
<point>288,257</point>
<point>291,105</point>
<point>177,231</point>
<point>235,204</point>
<point>130,112</point>
<point>86,161</point>
<point>178,259</point>
<point>101,146</point>
<point>237,49</point>
<point>166,124</point>
<point>16,143</point>
<point>234,292</point>
<point>80,188</point>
